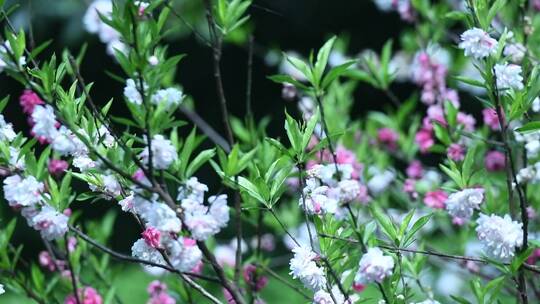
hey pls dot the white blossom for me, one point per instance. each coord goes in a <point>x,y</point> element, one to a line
<point>63,142</point>
<point>462,204</point>
<point>499,235</point>
<point>183,253</point>
<point>127,203</point>
<point>380,181</point>
<point>83,162</point>
<point>6,59</point>
<point>384,5</point>
<point>318,201</point>
<point>374,267</point>
<point>44,122</point>
<point>111,185</point>
<point>6,130</point>
<point>516,52</point>
<point>193,189</point>
<point>131,92</point>
<point>15,159</point>
<point>2,290</point>
<point>477,43</point>
<point>50,223</point>
<point>324,297</point>
<point>163,152</point>
<point>20,191</point>
<point>508,76</point>
<point>169,97</point>
<point>304,268</point>
<point>204,221</point>
<point>536,105</point>
<point>160,216</point>
<point>143,251</point>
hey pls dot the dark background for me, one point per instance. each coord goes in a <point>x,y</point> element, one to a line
<point>299,25</point>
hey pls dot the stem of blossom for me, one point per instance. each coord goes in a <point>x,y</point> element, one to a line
<point>184,21</point>
<point>521,283</point>
<point>97,114</point>
<point>233,290</point>
<point>27,289</point>
<point>249,77</point>
<point>336,279</point>
<point>71,272</point>
<point>216,52</point>
<point>327,133</point>
<point>301,180</point>
<point>363,246</point>
<point>283,226</point>
<point>238,259</point>
<point>285,281</point>
<point>205,128</point>
<point>144,99</point>
<point>131,259</point>
<point>127,258</point>
<point>531,268</point>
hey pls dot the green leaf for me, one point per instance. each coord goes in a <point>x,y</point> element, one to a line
<point>532,126</point>
<point>322,60</point>
<point>251,189</point>
<point>385,223</point>
<point>421,222</point>
<point>199,160</point>
<point>293,133</point>
<point>335,72</point>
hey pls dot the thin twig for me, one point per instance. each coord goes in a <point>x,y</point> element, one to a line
<point>284,281</point>
<point>71,272</point>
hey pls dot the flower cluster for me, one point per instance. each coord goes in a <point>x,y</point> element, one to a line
<point>499,235</point>
<point>374,267</point>
<point>462,204</point>
<point>304,267</point>
<point>323,193</point>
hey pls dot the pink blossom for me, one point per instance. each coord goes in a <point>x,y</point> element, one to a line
<point>67,212</point>
<point>536,5</point>
<point>424,139</point>
<point>531,213</point>
<point>491,119</point>
<point>189,242</point>
<point>72,243</point>
<point>472,266</point>
<point>358,287</point>
<point>456,152</point>
<point>466,120</point>
<point>28,100</point>
<point>256,281</point>
<point>431,76</point>
<point>534,257</point>
<point>436,113</point>
<point>458,221</point>
<point>435,199</point>
<point>162,298</point>
<point>495,161</point>
<point>156,287</point>
<point>152,237</point>
<point>46,261</point>
<point>57,167</point>
<point>415,170</point>
<point>139,175</point>
<point>409,186</point>
<point>388,138</point>
<point>88,296</point>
